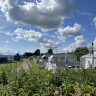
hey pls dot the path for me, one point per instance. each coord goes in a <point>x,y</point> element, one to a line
<point>25,65</point>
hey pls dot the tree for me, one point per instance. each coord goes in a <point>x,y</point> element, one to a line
<point>37,52</point>
<point>50,51</point>
<point>27,54</point>
<point>80,51</point>
<point>17,54</point>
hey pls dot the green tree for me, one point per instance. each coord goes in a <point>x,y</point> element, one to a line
<point>27,54</point>
<point>17,54</point>
<point>37,52</point>
<point>80,51</point>
<point>50,51</point>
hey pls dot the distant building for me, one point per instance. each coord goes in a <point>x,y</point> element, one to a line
<point>6,58</point>
<point>36,59</point>
<point>58,61</point>
<point>17,57</point>
<point>43,61</point>
<point>86,61</point>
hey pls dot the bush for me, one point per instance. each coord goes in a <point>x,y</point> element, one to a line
<point>40,82</point>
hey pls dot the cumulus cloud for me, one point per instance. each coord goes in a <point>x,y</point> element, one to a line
<point>46,14</point>
<point>61,38</point>
<point>53,36</point>
<point>51,44</point>
<point>94,21</point>
<point>71,31</point>
<point>8,33</point>
<point>29,35</point>
<point>33,36</point>
<point>79,42</point>
<point>8,51</point>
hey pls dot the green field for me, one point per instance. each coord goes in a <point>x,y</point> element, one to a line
<point>40,82</point>
<point>10,66</point>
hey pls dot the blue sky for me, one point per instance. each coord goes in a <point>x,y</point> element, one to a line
<point>64,25</point>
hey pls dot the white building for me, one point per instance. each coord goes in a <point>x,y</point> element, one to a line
<point>58,61</point>
<point>9,58</point>
<point>43,61</point>
<point>86,61</point>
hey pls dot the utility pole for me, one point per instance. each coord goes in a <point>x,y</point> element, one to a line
<point>93,53</point>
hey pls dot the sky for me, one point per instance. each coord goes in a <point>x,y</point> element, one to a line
<point>63,25</point>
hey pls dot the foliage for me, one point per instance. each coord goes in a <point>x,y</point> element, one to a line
<point>40,82</point>
<point>37,52</point>
<point>50,51</point>
<point>27,54</point>
<point>17,54</point>
<point>80,51</point>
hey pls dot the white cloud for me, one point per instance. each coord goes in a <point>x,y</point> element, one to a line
<point>8,33</point>
<point>71,31</point>
<point>94,21</point>
<point>53,36</point>
<point>29,35</point>
<point>14,39</point>
<point>46,14</point>
<point>79,42</point>
<point>51,44</point>
<point>56,33</point>
<point>61,38</point>
<point>33,36</point>
<point>7,42</point>
<point>8,51</point>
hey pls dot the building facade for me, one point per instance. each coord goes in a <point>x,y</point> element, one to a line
<point>6,58</point>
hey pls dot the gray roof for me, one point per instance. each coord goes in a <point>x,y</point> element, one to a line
<point>5,55</point>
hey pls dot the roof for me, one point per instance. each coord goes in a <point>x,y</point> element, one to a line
<point>63,55</point>
<point>89,55</point>
<point>45,56</point>
<point>5,55</point>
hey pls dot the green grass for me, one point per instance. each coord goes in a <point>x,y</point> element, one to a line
<point>11,66</point>
<point>35,67</point>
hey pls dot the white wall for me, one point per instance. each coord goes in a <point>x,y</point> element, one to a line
<point>86,62</point>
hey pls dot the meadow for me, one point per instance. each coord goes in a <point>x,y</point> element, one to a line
<point>11,66</point>
<point>40,82</point>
